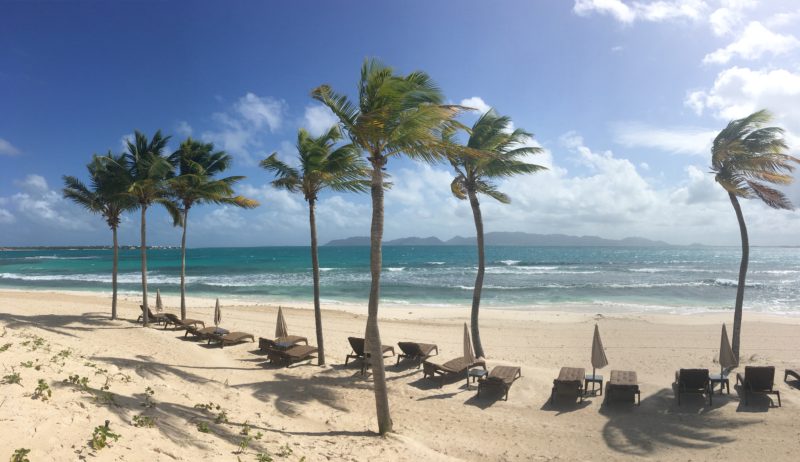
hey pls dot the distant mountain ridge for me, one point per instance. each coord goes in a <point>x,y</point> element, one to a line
<point>510,238</point>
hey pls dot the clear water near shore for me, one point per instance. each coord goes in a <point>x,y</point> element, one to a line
<point>675,279</point>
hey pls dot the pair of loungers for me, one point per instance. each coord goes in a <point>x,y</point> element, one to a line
<point>286,350</point>
<point>755,380</point>
<point>157,318</point>
<point>500,377</point>
<point>217,335</point>
<point>571,383</point>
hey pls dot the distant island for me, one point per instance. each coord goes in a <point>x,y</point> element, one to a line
<point>512,239</point>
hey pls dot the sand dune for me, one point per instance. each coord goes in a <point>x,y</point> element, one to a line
<point>327,413</point>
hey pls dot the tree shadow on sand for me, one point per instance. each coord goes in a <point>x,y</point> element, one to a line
<point>62,324</point>
<point>693,425</point>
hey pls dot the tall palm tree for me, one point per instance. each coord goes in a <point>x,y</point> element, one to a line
<point>321,165</point>
<point>394,115</point>
<point>195,184</point>
<point>105,195</point>
<point>503,150</point>
<point>149,169</point>
<point>746,156</point>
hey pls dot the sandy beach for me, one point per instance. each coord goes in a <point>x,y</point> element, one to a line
<point>311,413</point>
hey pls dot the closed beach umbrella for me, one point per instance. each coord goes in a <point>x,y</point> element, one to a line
<point>217,314</point>
<point>468,353</point>
<point>599,359</point>
<point>726,357</point>
<point>159,305</point>
<point>280,327</point>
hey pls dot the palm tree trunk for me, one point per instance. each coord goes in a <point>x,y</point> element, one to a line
<point>183,262</point>
<point>114,269</point>
<point>737,312</point>
<point>373,336</point>
<point>315,274</point>
<point>145,317</point>
<point>476,292</point>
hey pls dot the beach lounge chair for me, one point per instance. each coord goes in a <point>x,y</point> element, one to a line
<point>693,381</point>
<point>758,379</point>
<point>417,351</point>
<point>357,344</point>
<point>502,377</point>
<point>153,317</point>
<point>453,367</point>
<point>623,385</point>
<point>277,354</point>
<point>230,338</point>
<point>283,342</point>
<point>202,333</point>
<point>793,372</point>
<point>181,323</point>
<point>569,384</point>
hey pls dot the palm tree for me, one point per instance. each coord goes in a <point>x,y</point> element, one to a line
<point>746,155</point>
<point>105,195</point>
<point>393,115</point>
<point>321,166</point>
<point>503,149</point>
<point>149,170</point>
<point>195,184</point>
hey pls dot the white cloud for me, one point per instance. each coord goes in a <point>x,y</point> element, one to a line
<point>318,119</point>
<point>8,149</point>
<point>654,11</point>
<point>34,184</point>
<point>678,140</point>
<point>738,92</point>
<point>43,206</point>
<point>6,217</point>
<point>241,129</point>
<point>183,128</point>
<point>124,139</point>
<point>755,41</point>
<point>723,21</point>
<point>477,103</point>
<point>222,219</point>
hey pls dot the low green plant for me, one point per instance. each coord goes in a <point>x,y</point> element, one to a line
<point>13,378</point>
<point>20,455</point>
<point>245,429</point>
<point>284,451</point>
<point>208,407</point>
<point>222,417</point>
<point>105,397</point>
<point>148,398</point>
<point>202,427</point>
<point>35,343</point>
<point>258,435</point>
<point>61,357</point>
<point>42,391</point>
<point>5,347</point>
<point>142,420</point>
<point>27,364</point>
<point>78,381</point>
<point>101,436</point>
<point>244,443</point>
<point>263,457</point>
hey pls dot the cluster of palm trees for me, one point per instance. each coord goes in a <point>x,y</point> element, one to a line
<point>144,176</point>
<point>394,115</point>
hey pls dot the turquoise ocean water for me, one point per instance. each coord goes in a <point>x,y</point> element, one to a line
<point>674,279</point>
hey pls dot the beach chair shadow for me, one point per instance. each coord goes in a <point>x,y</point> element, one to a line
<point>563,406</point>
<point>487,398</point>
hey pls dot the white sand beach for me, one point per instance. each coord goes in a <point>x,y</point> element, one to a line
<point>312,413</point>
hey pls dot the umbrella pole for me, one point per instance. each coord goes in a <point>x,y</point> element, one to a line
<point>593,372</point>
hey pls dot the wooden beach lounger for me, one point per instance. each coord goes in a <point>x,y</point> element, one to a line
<point>277,354</point>
<point>758,379</point>
<point>793,372</point>
<point>231,338</point>
<point>693,381</point>
<point>569,384</point>
<point>153,317</point>
<point>284,342</point>
<point>202,333</point>
<point>623,384</point>
<point>454,366</point>
<point>357,344</point>
<point>181,324</point>
<point>417,351</point>
<point>502,377</point>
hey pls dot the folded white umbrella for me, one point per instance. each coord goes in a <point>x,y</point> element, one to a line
<point>727,359</point>
<point>280,328</point>
<point>217,314</point>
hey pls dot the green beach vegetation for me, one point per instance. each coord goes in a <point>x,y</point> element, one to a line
<point>322,165</point>
<point>745,157</point>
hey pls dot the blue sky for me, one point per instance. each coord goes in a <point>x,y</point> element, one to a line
<point>625,97</point>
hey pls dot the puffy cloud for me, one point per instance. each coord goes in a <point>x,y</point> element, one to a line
<point>477,103</point>
<point>6,217</point>
<point>8,149</point>
<point>677,140</point>
<point>34,184</point>
<point>784,19</point>
<point>737,92</point>
<point>242,126</point>
<point>183,128</point>
<point>46,207</point>
<point>318,119</point>
<point>654,11</point>
<point>755,41</point>
<point>724,20</point>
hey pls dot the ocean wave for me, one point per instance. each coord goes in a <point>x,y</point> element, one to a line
<point>509,262</point>
<point>434,263</point>
<point>395,268</point>
<point>54,257</point>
